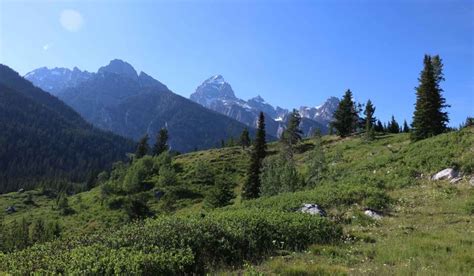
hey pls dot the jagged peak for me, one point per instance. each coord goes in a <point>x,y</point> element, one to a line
<point>119,67</point>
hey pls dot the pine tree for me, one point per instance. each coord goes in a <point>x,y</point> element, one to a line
<point>245,138</point>
<point>252,184</point>
<point>406,128</point>
<point>393,126</point>
<point>369,121</point>
<point>292,134</point>
<point>379,126</point>
<point>161,144</point>
<point>429,118</point>
<point>345,117</point>
<point>142,147</point>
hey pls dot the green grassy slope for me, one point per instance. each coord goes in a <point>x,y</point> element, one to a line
<point>427,226</point>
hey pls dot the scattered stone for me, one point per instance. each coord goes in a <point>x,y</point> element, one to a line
<point>455,180</point>
<point>10,209</point>
<point>445,174</point>
<point>373,214</point>
<point>312,209</point>
<point>21,190</point>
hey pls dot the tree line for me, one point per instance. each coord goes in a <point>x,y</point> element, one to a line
<point>275,174</point>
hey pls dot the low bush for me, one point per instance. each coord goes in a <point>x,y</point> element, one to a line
<point>176,244</point>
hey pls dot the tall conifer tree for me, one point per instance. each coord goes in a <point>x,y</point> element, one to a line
<point>245,138</point>
<point>429,119</point>
<point>345,117</point>
<point>142,147</point>
<point>161,144</point>
<point>252,184</point>
<point>369,121</point>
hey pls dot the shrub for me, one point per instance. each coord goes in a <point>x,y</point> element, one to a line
<point>176,244</point>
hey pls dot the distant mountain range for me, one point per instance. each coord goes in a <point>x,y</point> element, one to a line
<point>118,99</point>
<point>216,94</point>
<point>44,141</point>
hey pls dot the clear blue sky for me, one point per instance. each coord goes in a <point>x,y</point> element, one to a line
<point>292,53</point>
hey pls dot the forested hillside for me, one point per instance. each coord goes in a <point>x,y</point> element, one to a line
<point>43,142</point>
<point>197,221</point>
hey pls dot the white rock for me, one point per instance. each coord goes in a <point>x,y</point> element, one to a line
<point>455,180</point>
<point>445,174</point>
<point>471,181</point>
<point>312,209</point>
<point>372,214</point>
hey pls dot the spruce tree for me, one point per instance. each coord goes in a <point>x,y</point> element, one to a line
<point>345,117</point>
<point>142,147</point>
<point>369,121</point>
<point>292,134</point>
<point>393,126</point>
<point>379,126</point>
<point>252,184</point>
<point>245,138</point>
<point>161,144</point>
<point>429,118</point>
<point>406,128</point>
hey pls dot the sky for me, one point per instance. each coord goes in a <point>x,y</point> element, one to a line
<point>292,53</point>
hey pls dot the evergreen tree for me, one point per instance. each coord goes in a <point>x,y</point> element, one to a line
<point>406,128</point>
<point>345,117</point>
<point>251,188</point>
<point>292,134</point>
<point>379,126</point>
<point>429,118</point>
<point>369,121</point>
<point>142,147</point>
<point>393,126</point>
<point>221,194</point>
<point>161,144</point>
<point>245,138</point>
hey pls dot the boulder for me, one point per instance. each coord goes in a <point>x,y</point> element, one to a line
<point>455,180</point>
<point>312,209</point>
<point>445,174</point>
<point>471,181</point>
<point>372,214</point>
<point>10,209</point>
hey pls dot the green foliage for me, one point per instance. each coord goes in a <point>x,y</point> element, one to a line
<point>245,138</point>
<point>203,175</point>
<point>142,147</point>
<point>393,126</point>
<point>251,187</point>
<point>369,121</point>
<point>279,175</point>
<point>345,117</point>
<point>292,134</point>
<point>167,176</point>
<point>63,205</point>
<point>221,194</point>
<point>43,142</point>
<point>428,118</point>
<point>316,164</point>
<point>176,245</point>
<point>161,144</point>
<point>137,173</point>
